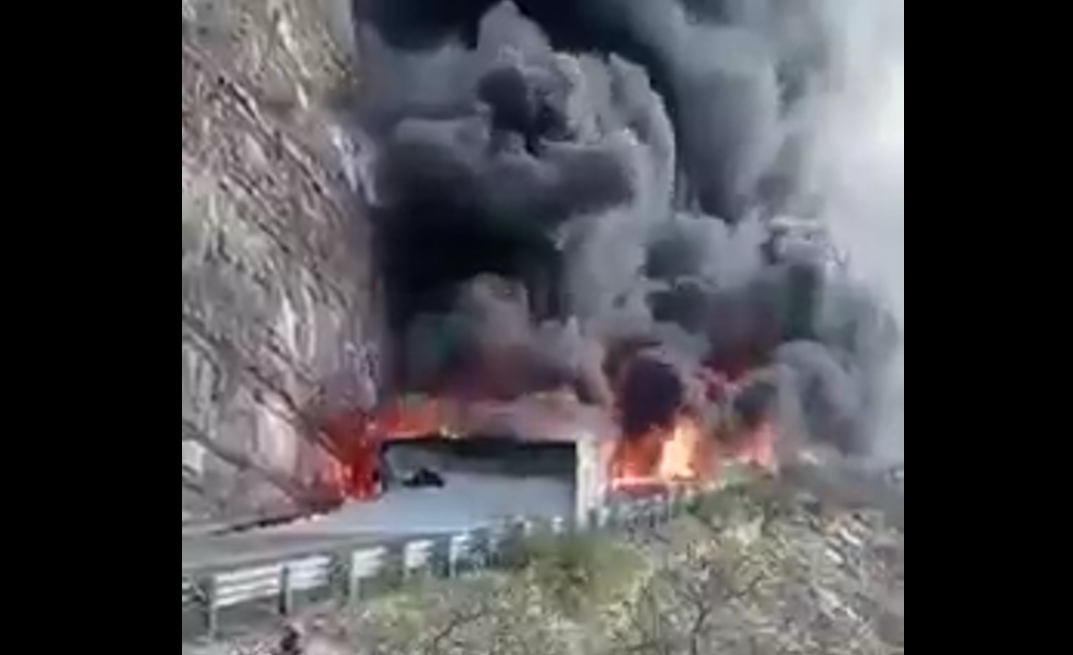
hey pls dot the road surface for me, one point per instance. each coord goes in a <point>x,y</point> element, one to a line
<point>469,502</point>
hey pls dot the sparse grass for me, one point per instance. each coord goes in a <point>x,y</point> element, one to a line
<point>580,572</point>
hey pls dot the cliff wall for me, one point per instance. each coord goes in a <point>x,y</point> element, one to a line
<point>278,295</point>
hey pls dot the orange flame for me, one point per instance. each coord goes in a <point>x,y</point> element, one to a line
<point>686,456</point>
<point>663,458</point>
<point>757,448</point>
<point>412,417</point>
<point>358,436</point>
<point>683,455</point>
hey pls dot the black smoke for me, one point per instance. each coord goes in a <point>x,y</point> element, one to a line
<point>555,177</point>
<point>729,70</point>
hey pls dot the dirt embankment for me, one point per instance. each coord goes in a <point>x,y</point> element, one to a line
<point>275,266</point>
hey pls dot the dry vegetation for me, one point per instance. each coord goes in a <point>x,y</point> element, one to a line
<point>753,573</point>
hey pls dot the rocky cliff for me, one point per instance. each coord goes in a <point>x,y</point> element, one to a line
<point>277,285</point>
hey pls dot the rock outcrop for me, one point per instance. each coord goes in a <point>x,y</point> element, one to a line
<point>278,288</point>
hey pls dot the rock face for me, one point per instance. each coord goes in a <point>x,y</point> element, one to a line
<point>278,291</point>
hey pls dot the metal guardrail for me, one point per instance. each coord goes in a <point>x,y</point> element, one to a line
<point>220,598</point>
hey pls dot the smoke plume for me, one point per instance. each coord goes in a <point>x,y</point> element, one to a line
<point>558,181</point>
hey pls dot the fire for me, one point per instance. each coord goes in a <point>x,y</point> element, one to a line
<point>662,458</point>
<point>358,436</point>
<point>685,454</point>
<point>687,457</point>
<point>413,417</point>
<point>682,449</point>
<point>757,447</point>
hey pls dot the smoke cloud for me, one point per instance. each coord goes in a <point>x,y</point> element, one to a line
<point>557,179</point>
<point>859,163</point>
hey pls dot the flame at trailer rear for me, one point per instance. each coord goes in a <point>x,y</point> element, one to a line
<point>687,455</point>
<point>658,459</point>
<point>681,423</point>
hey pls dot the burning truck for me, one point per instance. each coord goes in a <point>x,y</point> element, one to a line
<point>450,450</point>
<point>577,212</point>
<point>630,417</point>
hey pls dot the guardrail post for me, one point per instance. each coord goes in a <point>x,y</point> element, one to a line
<point>600,519</point>
<point>663,509</point>
<point>444,558</point>
<point>669,513</point>
<point>693,500</point>
<point>286,593</point>
<point>508,553</point>
<point>209,596</point>
<point>344,582</point>
<point>481,553</point>
<point>648,518</point>
<point>395,574</point>
<point>677,503</point>
<point>625,515</point>
<point>464,553</point>
<point>355,583</point>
